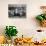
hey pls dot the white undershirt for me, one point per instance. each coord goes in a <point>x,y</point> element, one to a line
<point>38,36</point>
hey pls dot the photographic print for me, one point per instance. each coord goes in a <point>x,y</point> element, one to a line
<point>17,10</point>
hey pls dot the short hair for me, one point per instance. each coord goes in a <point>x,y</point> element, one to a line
<point>42,7</point>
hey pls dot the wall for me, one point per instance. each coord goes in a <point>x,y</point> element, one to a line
<point>25,26</point>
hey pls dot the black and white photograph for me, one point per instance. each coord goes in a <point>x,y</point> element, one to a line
<point>17,10</point>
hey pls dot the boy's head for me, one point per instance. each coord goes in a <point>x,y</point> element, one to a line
<point>43,8</point>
